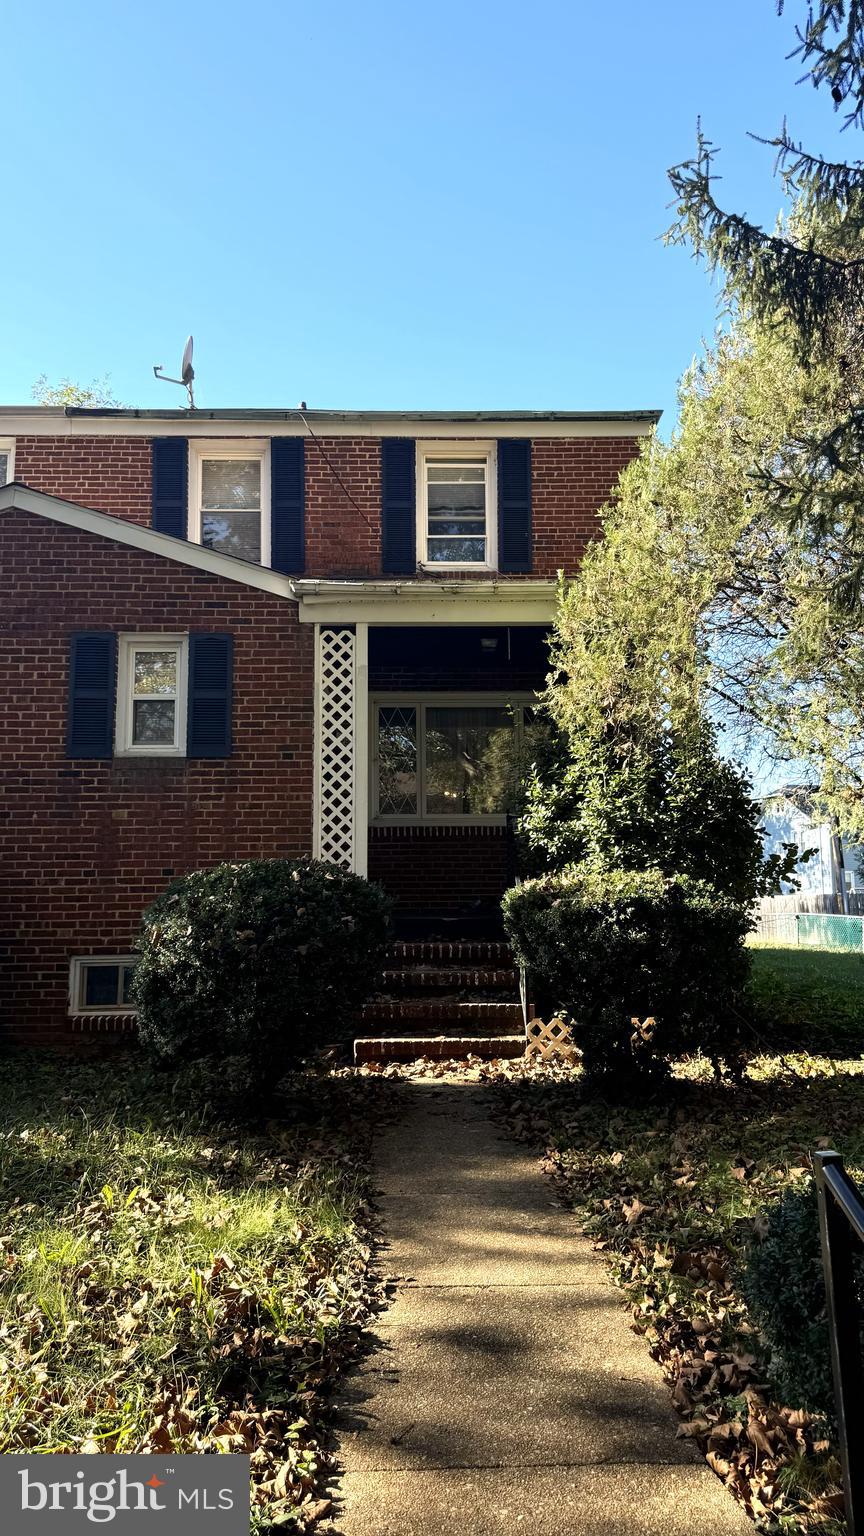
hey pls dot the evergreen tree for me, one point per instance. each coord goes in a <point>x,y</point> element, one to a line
<point>806,278</point>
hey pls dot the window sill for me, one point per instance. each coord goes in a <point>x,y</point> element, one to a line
<point>149,755</point>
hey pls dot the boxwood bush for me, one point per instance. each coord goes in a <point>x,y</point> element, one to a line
<point>606,947</point>
<point>785,1290</point>
<point>257,963</point>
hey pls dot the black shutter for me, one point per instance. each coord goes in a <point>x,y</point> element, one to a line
<point>287,504</point>
<point>170,485</point>
<point>398,506</point>
<point>514,504</point>
<point>210,678</point>
<point>92,680</point>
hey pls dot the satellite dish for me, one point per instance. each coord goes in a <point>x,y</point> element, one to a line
<point>187,372</point>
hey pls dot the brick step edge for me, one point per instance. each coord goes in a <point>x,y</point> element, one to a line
<point>458,951</point>
<point>442,1008</point>
<point>423,976</point>
<point>439,1047</point>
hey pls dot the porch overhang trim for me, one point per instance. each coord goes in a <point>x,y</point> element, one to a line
<point>425,602</point>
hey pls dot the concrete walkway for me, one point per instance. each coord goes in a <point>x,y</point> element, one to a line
<point>507,1392</point>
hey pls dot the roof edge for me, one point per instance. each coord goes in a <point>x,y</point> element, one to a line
<point>19,497</point>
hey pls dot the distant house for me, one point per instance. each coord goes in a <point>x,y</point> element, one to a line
<point>788,816</point>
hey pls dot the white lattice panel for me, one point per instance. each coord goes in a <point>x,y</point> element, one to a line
<point>337,731</point>
<point>550,1041</point>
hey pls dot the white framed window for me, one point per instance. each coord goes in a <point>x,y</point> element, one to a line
<point>449,758</point>
<point>229,497</point>
<point>7,460</point>
<point>457,506</point>
<point>101,983</point>
<point>152,674</point>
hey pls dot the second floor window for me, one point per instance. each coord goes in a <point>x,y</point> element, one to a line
<point>229,501</point>
<point>456,506</point>
<point>7,458</point>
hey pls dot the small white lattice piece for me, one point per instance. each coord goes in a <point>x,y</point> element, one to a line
<point>550,1040</point>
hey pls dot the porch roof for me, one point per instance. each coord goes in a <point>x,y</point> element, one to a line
<point>490,601</point>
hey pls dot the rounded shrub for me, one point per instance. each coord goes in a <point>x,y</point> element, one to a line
<point>257,962</point>
<point>608,947</point>
<point>784,1287</point>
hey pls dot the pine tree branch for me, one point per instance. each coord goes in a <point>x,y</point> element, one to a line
<point>803,172</point>
<point>779,278</point>
<point>832,43</point>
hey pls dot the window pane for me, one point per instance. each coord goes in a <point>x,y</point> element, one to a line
<point>155,672</point>
<point>456,551</point>
<point>233,533</point>
<point>469,760</point>
<point>457,527</point>
<point>100,985</point>
<point>470,470</point>
<point>397,762</point>
<point>153,722</point>
<point>4,468</point>
<point>231,484</point>
<point>128,973</point>
<point>457,498</point>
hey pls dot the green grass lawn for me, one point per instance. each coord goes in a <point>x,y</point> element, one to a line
<point>168,1286</point>
<point>808,999</point>
<point>673,1191</point>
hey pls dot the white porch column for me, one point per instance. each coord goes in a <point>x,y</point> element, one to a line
<point>341,745</point>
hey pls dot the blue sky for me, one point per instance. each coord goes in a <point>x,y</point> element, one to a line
<point>388,205</point>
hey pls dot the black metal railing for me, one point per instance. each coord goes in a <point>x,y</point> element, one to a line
<point>841,1225</point>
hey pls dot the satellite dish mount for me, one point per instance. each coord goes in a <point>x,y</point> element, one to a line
<point>187,373</point>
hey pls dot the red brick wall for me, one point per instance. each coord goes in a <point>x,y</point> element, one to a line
<point>109,474</point>
<point>572,477</point>
<point>340,540</point>
<point>440,869</point>
<point>85,845</point>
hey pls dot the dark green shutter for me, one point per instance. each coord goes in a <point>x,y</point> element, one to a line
<point>287,504</point>
<point>210,689</point>
<point>92,682</point>
<point>514,504</point>
<point>170,485</point>
<point>398,506</point>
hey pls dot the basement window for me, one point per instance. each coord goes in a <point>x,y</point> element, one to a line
<point>101,984</point>
<point>229,498</point>
<point>439,759</point>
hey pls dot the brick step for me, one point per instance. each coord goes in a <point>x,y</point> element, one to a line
<point>460,952</point>
<point>421,978</point>
<point>438,1047</point>
<point>429,1009</point>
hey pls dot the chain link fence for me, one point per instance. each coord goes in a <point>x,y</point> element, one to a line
<point>818,930</point>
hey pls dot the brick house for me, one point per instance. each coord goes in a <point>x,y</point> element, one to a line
<point>236,634</point>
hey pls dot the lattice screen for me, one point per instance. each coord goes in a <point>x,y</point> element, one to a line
<point>336,723</point>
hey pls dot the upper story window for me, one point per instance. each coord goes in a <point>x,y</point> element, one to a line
<point>456,505</point>
<point>151,695</point>
<point>7,460</point>
<point>229,502</point>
